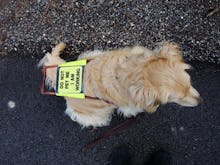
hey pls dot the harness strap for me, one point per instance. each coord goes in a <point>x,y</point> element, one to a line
<point>96,98</point>
<point>42,89</point>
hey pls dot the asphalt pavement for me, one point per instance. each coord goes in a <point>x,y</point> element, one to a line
<point>31,28</point>
<point>35,130</point>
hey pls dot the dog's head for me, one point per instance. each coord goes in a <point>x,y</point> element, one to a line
<point>166,80</point>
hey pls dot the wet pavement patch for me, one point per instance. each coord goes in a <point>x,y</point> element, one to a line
<point>35,130</point>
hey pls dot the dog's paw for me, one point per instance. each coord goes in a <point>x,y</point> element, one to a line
<point>129,111</point>
<point>152,109</point>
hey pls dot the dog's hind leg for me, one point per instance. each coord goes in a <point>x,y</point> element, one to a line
<point>141,51</point>
<point>95,118</point>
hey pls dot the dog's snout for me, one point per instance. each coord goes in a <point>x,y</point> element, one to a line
<point>199,100</point>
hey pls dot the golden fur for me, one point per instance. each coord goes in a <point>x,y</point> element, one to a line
<point>133,79</point>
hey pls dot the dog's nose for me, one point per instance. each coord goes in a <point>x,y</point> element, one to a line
<point>199,100</point>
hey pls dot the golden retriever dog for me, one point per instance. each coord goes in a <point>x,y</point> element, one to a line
<point>131,80</point>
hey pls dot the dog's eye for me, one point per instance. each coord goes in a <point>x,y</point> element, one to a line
<point>183,95</point>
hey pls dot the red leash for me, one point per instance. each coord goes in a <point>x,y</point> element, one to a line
<point>109,133</point>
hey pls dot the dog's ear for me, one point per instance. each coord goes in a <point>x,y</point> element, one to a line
<point>186,66</point>
<point>142,96</point>
<point>164,94</point>
<point>170,50</point>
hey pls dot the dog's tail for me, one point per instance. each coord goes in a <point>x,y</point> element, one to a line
<point>53,58</point>
<point>50,59</point>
